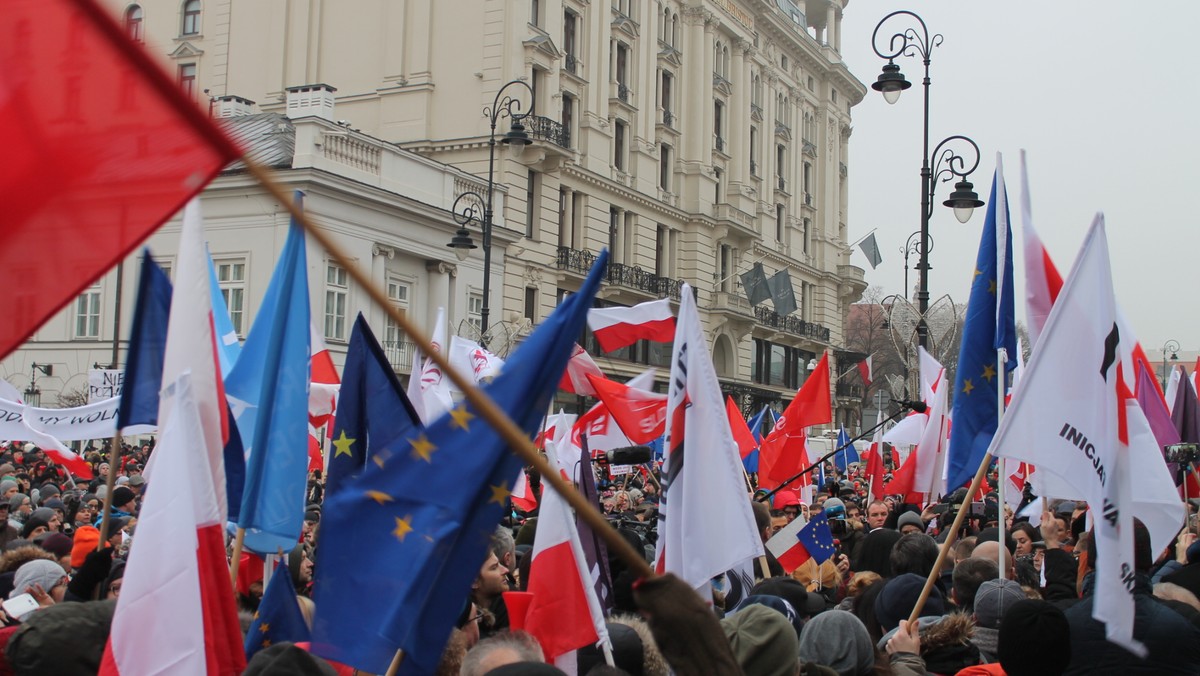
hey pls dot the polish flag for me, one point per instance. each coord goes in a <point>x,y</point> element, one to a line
<point>315,459</point>
<point>58,453</point>
<point>617,327</point>
<point>874,462</point>
<point>864,371</point>
<point>641,415</point>
<point>322,395</point>
<point>782,454</point>
<point>523,497</point>
<point>922,473</point>
<point>178,568</point>
<point>579,366</point>
<point>564,614</point>
<point>603,432</point>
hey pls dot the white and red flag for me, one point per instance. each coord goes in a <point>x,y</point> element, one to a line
<point>617,327</point>
<point>177,568</point>
<point>564,614</point>
<point>706,525</point>
<point>922,475</point>
<point>864,371</point>
<point>579,367</point>
<point>641,414</point>
<point>1074,417</point>
<point>783,452</point>
<point>873,460</point>
<point>324,380</point>
<point>429,388</point>
<point>603,432</point>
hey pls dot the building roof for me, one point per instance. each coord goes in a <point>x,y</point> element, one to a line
<point>269,139</point>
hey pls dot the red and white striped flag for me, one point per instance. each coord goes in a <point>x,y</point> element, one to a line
<point>579,366</point>
<point>864,371</point>
<point>617,327</point>
<point>641,414</point>
<point>177,568</point>
<point>322,394</point>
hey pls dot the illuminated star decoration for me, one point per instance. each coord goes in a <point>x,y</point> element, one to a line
<point>343,444</point>
<point>423,448</point>
<point>461,416</point>
<point>967,386</point>
<point>403,527</point>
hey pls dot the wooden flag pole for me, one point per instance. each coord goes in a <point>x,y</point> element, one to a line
<point>950,538</point>
<point>236,557</point>
<point>479,400</point>
<point>110,482</point>
<point>395,665</point>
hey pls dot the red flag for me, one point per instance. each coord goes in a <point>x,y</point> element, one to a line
<point>641,415</point>
<point>741,431</point>
<point>782,453</point>
<point>102,149</point>
<point>864,371</point>
<point>575,379</point>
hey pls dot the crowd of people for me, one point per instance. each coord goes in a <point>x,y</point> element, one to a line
<point>1026,612</point>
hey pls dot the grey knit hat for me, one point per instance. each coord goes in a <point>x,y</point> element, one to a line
<point>42,572</point>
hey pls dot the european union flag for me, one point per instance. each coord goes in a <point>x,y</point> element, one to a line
<point>848,452</point>
<point>373,410</point>
<point>989,326</point>
<point>414,526</point>
<point>269,382</point>
<point>817,539</point>
<point>147,347</point>
<point>278,617</point>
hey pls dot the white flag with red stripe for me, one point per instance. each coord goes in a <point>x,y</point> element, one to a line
<point>641,414</point>
<point>429,388</point>
<point>177,567</point>
<point>323,376</point>
<point>579,367</point>
<point>603,432</point>
<point>617,327</point>
<point>564,614</point>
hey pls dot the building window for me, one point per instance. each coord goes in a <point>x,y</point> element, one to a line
<point>475,311</point>
<point>719,125</point>
<point>664,167</point>
<point>533,203</point>
<point>718,174</point>
<point>622,66</point>
<point>337,289</point>
<point>191,18</point>
<point>724,265</point>
<point>535,86</point>
<point>231,279</point>
<point>754,151</point>
<point>614,224</point>
<point>187,79</point>
<point>133,23</point>
<point>833,95</point>
<point>780,161</point>
<point>535,12</point>
<point>661,242</point>
<point>807,223</point>
<point>807,183</point>
<point>778,365</point>
<point>779,216</point>
<point>531,297</point>
<point>666,93</point>
<point>568,114</point>
<point>570,40</point>
<point>620,145</point>
<point>87,313</point>
<point>395,346</point>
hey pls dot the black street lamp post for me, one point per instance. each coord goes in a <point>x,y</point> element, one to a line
<point>944,163</point>
<point>1171,346</point>
<point>467,206</point>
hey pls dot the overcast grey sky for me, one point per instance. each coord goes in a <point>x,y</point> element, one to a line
<point>1102,95</point>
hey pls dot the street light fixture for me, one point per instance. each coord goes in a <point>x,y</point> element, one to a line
<point>503,106</point>
<point>946,163</point>
<point>1171,346</point>
<point>33,396</point>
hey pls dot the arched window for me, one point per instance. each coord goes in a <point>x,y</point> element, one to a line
<point>191,18</point>
<point>133,23</point>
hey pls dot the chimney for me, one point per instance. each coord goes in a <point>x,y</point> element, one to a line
<point>233,106</point>
<point>312,100</point>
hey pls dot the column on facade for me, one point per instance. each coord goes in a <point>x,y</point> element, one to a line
<point>440,274</point>
<point>694,86</point>
<point>739,118</point>
<point>770,169</point>
<point>830,21</point>
<point>706,100</point>
<point>616,234</point>
<point>837,32</point>
<point>598,34</point>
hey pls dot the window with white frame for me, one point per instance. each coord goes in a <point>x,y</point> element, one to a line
<point>475,310</point>
<point>87,313</point>
<point>191,18</point>
<point>337,292</point>
<point>231,279</point>
<point>396,346</point>
<point>187,79</point>
<point>133,23</point>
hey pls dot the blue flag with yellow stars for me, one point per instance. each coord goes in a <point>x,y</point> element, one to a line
<point>278,617</point>
<point>402,543</point>
<point>847,453</point>
<point>373,409</point>
<point>817,539</point>
<point>989,326</point>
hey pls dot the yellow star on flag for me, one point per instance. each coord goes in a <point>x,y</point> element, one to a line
<point>992,286</point>
<point>977,272</point>
<point>500,493</point>
<point>266,643</point>
<point>423,448</point>
<point>989,372</point>
<point>380,497</point>
<point>264,627</point>
<point>380,458</point>
<point>461,416</point>
<point>967,387</point>
<point>403,527</point>
<point>343,444</point>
